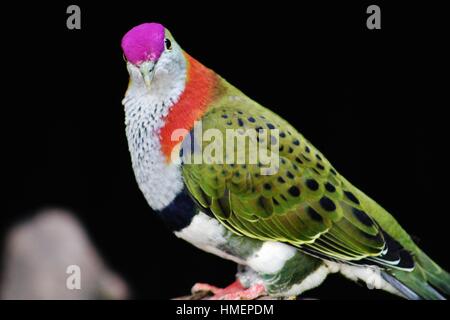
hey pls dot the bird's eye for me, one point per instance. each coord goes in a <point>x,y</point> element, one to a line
<point>168,44</point>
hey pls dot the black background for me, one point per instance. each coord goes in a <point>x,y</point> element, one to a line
<point>373,101</point>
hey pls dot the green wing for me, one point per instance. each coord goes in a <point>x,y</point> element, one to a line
<point>305,203</point>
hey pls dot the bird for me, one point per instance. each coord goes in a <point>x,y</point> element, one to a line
<point>287,221</point>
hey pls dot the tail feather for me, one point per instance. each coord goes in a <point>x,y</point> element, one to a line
<point>427,281</point>
<point>412,286</point>
<point>436,276</point>
<point>405,291</point>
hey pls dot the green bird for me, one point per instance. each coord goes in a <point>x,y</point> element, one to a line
<point>237,180</point>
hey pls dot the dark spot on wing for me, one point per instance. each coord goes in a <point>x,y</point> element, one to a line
<point>329,187</point>
<point>312,184</point>
<point>351,197</point>
<point>314,215</point>
<point>294,191</point>
<point>327,204</point>
<point>362,217</point>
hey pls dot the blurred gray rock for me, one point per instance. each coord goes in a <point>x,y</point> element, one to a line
<point>38,253</point>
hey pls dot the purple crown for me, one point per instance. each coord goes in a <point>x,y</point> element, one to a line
<point>144,42</point>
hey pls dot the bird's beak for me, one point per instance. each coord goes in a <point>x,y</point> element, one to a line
<point>147,70</point>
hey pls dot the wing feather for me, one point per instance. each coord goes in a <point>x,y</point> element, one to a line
<point>305,203</point>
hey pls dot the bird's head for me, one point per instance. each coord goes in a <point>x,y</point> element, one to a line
<point>170,85</point>
<point>153,57</point>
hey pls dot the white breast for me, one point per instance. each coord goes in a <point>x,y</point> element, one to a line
<point>145,111</point>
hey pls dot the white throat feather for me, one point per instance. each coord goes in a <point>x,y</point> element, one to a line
<point>145,111</point>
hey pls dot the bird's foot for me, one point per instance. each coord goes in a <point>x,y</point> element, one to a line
<point>235,286</point>
<point>252,293</point>
<point>235,291</point>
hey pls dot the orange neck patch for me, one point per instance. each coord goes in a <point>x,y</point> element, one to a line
<point>192,104</point>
